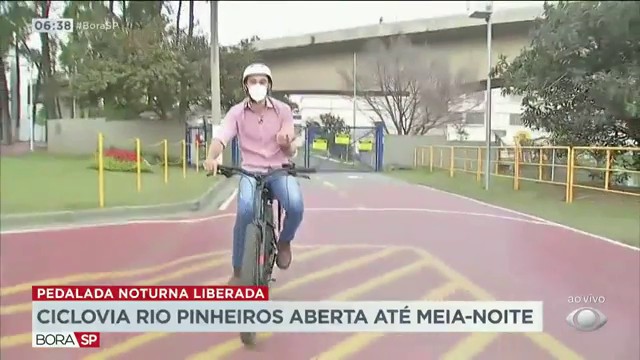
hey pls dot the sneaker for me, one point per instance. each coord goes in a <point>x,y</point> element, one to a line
<point>284,255</point>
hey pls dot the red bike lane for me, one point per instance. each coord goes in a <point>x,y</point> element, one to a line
<point>361,228</point>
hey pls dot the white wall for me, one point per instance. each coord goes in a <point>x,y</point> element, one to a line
<point>312,106</point>
<point>501,109</point>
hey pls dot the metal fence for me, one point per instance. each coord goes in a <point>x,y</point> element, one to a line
<point>605,169</point>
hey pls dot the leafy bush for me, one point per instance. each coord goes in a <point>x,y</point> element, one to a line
<point>158,159</point>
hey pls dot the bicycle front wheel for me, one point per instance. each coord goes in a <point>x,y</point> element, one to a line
<point>250,273</point>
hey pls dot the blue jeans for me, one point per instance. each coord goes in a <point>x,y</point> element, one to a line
<point>286,190</point>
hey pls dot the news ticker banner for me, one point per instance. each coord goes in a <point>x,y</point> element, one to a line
<point>183,309</point>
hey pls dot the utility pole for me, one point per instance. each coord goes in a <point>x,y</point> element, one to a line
<point>216,113</point>
<point>484,11</point>
<point>355,98</point>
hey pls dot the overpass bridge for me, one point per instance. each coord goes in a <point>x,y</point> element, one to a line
<point>313,63</point>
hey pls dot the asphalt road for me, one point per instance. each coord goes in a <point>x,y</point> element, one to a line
<point>364,237</point>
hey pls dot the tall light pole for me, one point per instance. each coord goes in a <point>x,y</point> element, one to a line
<point>30,117</point>
<point>216,113</point>
<point>484,10</point>
<point>355,95</point>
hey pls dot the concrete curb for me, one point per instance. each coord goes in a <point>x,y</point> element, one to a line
<point>208,202</point>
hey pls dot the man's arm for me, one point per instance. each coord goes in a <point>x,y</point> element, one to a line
<point>288,128</point>
<point>226,132</point>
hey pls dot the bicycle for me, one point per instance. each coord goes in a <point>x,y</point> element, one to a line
<point>261,239</point>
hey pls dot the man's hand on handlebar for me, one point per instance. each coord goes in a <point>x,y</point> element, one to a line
<point>211,165</point>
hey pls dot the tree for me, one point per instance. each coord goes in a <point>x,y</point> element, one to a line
<point>48,83</point>
<point>195,87</point>
<point>330,125</point>
<point>178,21</point>
<point>418,92</point>
<point>287,100</point>
<point>15,19</point>
<point>148,63</point>
<point>327,128</point>
<point>579,79</point>
<point>233,60</point>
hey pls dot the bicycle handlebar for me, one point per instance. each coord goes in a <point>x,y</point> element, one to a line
<point>290,169</point>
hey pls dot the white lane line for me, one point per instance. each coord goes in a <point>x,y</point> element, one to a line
<point>312,210</point>
<point>328,184</point>
<point>533,217</point>
<point>227,202</point>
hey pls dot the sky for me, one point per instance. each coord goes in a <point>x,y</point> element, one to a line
<point>238,20</point>
<point>274,19</point>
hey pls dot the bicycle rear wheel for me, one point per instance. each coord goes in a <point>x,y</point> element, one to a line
<point>250,274</point>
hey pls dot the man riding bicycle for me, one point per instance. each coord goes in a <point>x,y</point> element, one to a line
<point>264,127</point>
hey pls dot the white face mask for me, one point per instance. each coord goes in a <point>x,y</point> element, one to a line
<point>258,92</point>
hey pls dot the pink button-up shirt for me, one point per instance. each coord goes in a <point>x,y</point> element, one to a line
<point>257,133</point>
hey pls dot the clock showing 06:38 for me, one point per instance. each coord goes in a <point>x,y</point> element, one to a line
<point>46,25</point>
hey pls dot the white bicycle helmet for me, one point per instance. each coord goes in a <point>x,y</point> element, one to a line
<point>257,69</point>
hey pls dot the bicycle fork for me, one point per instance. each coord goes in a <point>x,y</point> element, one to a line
<point>271,254</point>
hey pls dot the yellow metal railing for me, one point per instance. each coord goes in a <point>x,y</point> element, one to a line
<point>594,168</point>
<point>601,168</point>
<point>164,145</point>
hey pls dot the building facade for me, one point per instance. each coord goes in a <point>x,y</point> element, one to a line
<point>505,117</point>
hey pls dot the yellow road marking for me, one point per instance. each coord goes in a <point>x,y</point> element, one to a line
<point>228,347</point>
<point>547,342</point>
<point>357,342</point>
<point>15,340</point>
<point>25,338</point>
<point>185,271</point>
<point>26,307</point>
<point>140,340</point>
<point>553,346</point>
<point>471,346</point>
<point>88,277</point>
<point>334,270</point>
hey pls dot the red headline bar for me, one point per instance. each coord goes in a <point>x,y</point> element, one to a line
<point>149,293</point>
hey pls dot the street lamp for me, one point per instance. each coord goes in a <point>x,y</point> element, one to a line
<point>484,10</point>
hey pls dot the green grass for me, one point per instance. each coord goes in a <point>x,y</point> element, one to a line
<point>43,182</point>
<point>614,216</point>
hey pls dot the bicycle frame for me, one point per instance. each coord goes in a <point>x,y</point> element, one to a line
<point>264,219</point>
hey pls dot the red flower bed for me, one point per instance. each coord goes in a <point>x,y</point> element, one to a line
<point>122,160</point>
<point>121,154</point>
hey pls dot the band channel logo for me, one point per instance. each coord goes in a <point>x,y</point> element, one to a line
<point>586,318</point>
